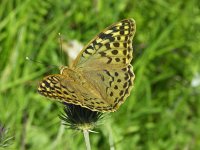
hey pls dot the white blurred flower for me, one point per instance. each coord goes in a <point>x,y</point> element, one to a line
<point>72,48</point>
<point>196,80</point>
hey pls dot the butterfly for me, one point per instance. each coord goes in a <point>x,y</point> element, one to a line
<point>101,77</point>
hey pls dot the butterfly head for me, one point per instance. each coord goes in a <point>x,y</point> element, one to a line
<point>62,69</point>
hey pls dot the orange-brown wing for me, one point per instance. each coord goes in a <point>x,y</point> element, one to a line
<point>64,90</point>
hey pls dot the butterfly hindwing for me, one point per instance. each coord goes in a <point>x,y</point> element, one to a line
<point>114,85</point>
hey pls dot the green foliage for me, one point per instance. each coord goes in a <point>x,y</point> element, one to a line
<point>163,109</point>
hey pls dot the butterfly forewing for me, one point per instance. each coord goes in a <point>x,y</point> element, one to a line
<point>52,87</point>
<point>101,77</point>
<point>111,47</point>
<point>72,91</point>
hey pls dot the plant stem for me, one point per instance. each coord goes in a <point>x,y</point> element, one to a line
<point>87,139</point>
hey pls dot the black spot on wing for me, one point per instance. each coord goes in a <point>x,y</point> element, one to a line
<point>116,44</point>
<point>117,59</point>
<point>114,52</point>
<point>104,36</point>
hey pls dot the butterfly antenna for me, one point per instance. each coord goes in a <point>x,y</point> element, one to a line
<point>63,61</point>
<point>29,59</point>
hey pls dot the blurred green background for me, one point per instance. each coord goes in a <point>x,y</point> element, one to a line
<point>163,109</point>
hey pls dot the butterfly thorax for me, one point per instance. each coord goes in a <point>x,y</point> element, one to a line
<point>77,78</point>
<point>70,74</point>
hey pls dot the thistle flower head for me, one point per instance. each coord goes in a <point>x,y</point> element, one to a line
<point>5,138</point>
<point>77,117</point>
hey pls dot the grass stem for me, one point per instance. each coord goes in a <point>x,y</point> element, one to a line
<point>87,139</point>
